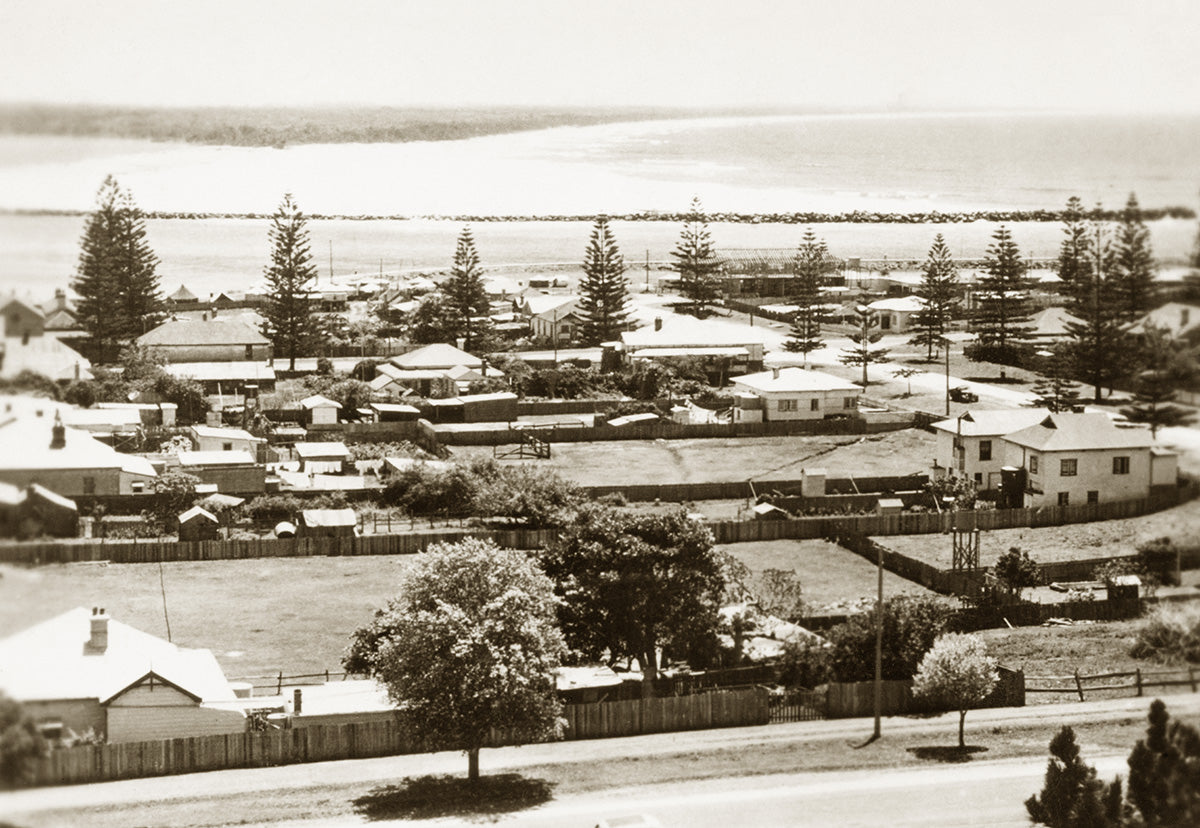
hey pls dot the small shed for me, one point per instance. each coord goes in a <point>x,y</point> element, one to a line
<point>889,506</point>
<point>197,524</point>
<point>489,408</point>
<point>769,511</point>
<point>328,523</point>
<point>394,412</point>
<point>320,410</point>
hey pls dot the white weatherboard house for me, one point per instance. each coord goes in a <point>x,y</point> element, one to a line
<point>797,394</point>
<point>896,314</point>
<point>709,339</point>
<point>972,445</point>
<point>210,438</point>
<point>34,449</point>
<point>83,671</point>
<point>1071,459</point>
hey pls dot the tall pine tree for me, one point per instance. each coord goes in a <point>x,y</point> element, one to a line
<point>1074,252</point>
<point>939,290</point>
<point>1097,347</point>
<point>811,264</point>
<point>289,316</point>
<point>1002,305</point>
<point>1133,264</point>
<point>1054,390</point>
<point>466,299</point>
<point>605,302</point>
<point>116,278</point>
<point>696,261</point>
<point>865,335</point>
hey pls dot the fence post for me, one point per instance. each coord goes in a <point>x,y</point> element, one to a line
<point>279,687</point>
<point>1138,676</point>
<point>1192,678</point>
<point>1078,684</point>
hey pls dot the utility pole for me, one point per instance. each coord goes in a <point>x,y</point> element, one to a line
<point>879,647</point>
<point>946,345</point>
<point>647,270</point>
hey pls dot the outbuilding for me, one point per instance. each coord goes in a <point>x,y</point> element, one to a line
<point>320,410</point>
<point>198,524</point>
<point>328,523</point>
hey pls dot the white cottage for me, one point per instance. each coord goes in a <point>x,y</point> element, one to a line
<point>796,394</point>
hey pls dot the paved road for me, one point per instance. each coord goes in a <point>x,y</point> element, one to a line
<point>220,783</point>
<point>979,794</point>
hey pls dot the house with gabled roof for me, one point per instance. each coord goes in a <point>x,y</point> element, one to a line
<point>1072,459</point>
<point>70,462</point>
<point>25,347</point>
<point>971,445</point>
<point>896,313</point>
<point>207,340</point>
<point>737,348</point>
<point>436,356</point>
<point>83,671</point>
<point>554,318</point>
<point>795,394</point>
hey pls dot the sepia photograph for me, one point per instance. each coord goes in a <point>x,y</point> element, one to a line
<point>576,414</point>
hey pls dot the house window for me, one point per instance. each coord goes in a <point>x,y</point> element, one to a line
<point>848,402</point>
<point>249,352</point>
<point>1068,467</point>
<point>789,405</point>
<point>226,446</point>
<point>1064,498</point>
<point>1033,464</point>
<point>89,485</point>
<point>978,478</point>
<point>985,449</point>
<point>814,404</point>
<point>1120,465</point>
<point>885,322</point>
<point>1093,496</point>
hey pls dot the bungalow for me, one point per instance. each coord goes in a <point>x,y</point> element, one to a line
<point>796,394</point>
<point>322,458</point>
<point>226,379</point>
<point>60,316</point>
<point>82,671</point>
<point>1068,459</point>
<point>67,461</point>
<point>554,318</point>
<point>431,383</point>
<point>1179,320</point>
<point>436,356</point>
<point>1050,324</point>
<point>207,340</point>
<point>970,445</point>
<point>726,349</point>
<point>183,296</point>
<point>896,314</point>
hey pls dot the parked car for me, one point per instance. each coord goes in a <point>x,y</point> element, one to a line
<point>963,394</point>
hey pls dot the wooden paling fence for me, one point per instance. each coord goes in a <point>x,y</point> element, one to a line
<point>321,743</point>
<point>1120,683</point>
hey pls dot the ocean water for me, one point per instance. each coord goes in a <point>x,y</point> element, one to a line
<point>764,164</point>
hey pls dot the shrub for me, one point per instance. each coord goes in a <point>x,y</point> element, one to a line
<point>20,743</point>
<point>1016,570</point>
<point>1158,558</point>
<point>272,508</point>
<point>805,663</point>
<point>910,626</point>
<point>1170,633</point>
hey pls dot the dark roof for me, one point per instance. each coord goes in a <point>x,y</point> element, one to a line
<point>203,332</point>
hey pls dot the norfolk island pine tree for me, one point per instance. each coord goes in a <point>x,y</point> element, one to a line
<point>604,305</point>
<point>696,261</point>
<point>811,264</point>
<point>288,318</point>
<point>938,289</point>
<point>466,299</point>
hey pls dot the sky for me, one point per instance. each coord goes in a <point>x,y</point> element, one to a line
<point>1112,55</point>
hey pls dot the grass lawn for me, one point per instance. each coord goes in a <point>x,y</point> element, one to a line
<point>1063,543</point>
<point>832,577</point>
<point>258,616</point>
<point>749,458</point>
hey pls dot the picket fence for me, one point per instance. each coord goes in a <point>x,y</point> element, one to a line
<point>322,743</point>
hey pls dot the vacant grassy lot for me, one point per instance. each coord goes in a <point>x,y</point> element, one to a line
<point>748,458</point>
<point>829,574</point>
<point>1063,543</point>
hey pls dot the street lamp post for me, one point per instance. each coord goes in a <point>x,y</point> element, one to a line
<point>946,345</point>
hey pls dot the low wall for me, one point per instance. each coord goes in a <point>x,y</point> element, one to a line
<point>323,743</point>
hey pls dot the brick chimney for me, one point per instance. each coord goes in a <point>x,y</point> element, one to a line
<point>658,323</point>
<point>775,373</point>
<point>98,642</point>
<point>58,433</point>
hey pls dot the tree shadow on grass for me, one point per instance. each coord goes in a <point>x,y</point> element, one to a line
<point>944,753</point>
<point>429,797</point>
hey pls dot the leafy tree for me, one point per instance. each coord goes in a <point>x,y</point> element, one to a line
<point>632,583</point>
<point>780,593</point>
<point>466,301</point>
<point>1097,349</point>
<point>910,626</point>
<point>116,278</point>
<point>82,393</point>
<point>1053,390</point>
<point>20,743</point>
<point>470,645</point>
<point>431,322</point>
<point>288,315</point>
<point>938,289</point>
<point>605,302</point>
<point>957,673</point>
<point>962,489</point>
<point>696,261</point>
<point>351,393</point>
<point>863,338</point>
<point>812,264</point>
<point>1003,303</point>
<point>1133,264</point>
<point>1072,795</point>
<point>420,490</point>
<point>176,492</point>
<point>1015,571</point>
<point>1152,398</point>
<point>526,494</point>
